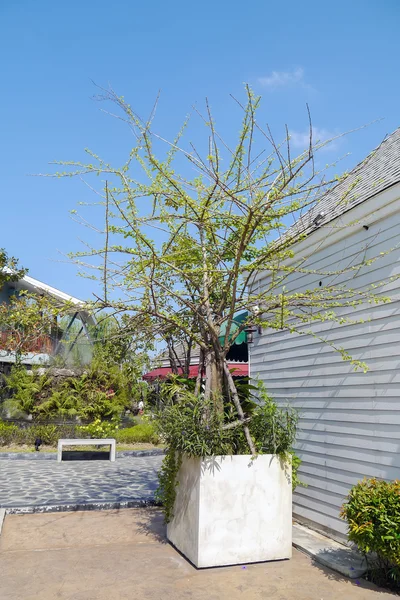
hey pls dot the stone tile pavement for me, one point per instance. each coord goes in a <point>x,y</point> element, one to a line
<point>45,483</point>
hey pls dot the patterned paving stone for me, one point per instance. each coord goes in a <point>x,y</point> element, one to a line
<point>42,483</point>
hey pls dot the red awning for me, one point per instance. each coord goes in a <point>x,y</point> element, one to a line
<point>239,370</point>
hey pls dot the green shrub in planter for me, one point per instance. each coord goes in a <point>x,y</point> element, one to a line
<point>196,427</point>
<point>142,433</point>
<point>372,512</point>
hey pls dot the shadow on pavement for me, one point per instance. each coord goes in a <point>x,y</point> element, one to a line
<point>360,583</point>
<point>150,523</point>
<point>84,455</point>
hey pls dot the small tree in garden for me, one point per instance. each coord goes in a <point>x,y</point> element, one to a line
<point>187,229</point>
<point>26,319</point>
<point>9,268</point>
<point>26,323</point>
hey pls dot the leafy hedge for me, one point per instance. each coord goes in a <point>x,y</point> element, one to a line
<point>143,432</point>
<point>372,512</point>
<point>50,434</point>
<point>9,434</point>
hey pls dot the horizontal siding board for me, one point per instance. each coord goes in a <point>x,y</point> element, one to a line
<point>361,403</point>
<point>366,443</point>
<point>349,421</point>
<point>362,391</point>
<point>328,474</point>
<point>349,254</point>
<point>334,499</point>
<point>376,273</point>
<point>382,458</point>
<point>354,429</point>
<point>325,380</point>
<point>321,348</point>
<point>354,274</point>
<point>377,344</point>
<point>364,318</point>
<point>319,518</point>
<point>367,416</point>
<point>351,467</point>
<point>376,365</point>
<point>323,483</point>
<point>354,336</point>
<point>309,502</point>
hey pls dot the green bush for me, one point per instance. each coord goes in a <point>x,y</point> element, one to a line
<point>372,512</point>
<point>185,430</point>
<point>198,428</point>
<point>49,434</point>
<point>9,434</point>
<point>141,433</point>
<point>99,429</point>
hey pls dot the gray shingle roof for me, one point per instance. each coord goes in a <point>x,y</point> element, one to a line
<point>378,171</point>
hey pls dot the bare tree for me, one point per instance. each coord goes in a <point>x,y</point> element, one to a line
<point>187,231</point>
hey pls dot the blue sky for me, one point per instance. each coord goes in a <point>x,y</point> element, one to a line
<point>340,57</point>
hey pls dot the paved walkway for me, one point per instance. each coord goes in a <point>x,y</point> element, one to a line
<point>45,483</point>
<point>123,555</point>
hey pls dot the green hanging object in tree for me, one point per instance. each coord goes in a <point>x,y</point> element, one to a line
<point>237,321</point>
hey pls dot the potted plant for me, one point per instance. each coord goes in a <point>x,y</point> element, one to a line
<point>224,505</point>
<point>194,237</point>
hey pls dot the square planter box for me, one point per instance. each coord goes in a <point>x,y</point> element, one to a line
<point>232,510</point>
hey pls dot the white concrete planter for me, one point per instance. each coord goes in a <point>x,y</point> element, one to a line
<point>232,510</point>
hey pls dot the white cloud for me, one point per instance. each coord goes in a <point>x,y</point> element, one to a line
<point>283,78</point>
<point>301,139</point>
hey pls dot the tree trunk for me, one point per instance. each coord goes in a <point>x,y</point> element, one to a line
<point>214,367</point>
<point>174,360</point>
<point>238,406</point>
<point>187,349</point>
<point>217,376</point>
<point>199,373</point>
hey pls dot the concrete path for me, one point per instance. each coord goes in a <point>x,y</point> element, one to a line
<point>338,557</point>
<point>27,483</point>
<point>123,555</point>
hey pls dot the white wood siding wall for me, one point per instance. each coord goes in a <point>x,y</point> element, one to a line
<point>350,421</point>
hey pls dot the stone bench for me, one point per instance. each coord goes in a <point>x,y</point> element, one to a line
<point>85,442</point>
